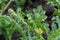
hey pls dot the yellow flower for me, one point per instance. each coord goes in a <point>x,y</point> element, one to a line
<point>39,31</point>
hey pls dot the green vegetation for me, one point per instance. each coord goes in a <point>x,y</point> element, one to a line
<point>30,23</point>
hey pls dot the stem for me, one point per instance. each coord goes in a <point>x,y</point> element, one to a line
<point>7,6</point>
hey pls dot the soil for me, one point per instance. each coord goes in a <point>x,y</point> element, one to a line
<point>16,36</point>
<point>2,37</point>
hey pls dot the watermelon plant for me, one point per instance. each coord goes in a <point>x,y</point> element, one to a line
<point>29,19</point>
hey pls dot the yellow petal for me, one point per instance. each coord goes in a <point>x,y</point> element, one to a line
<point>39,31</point>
